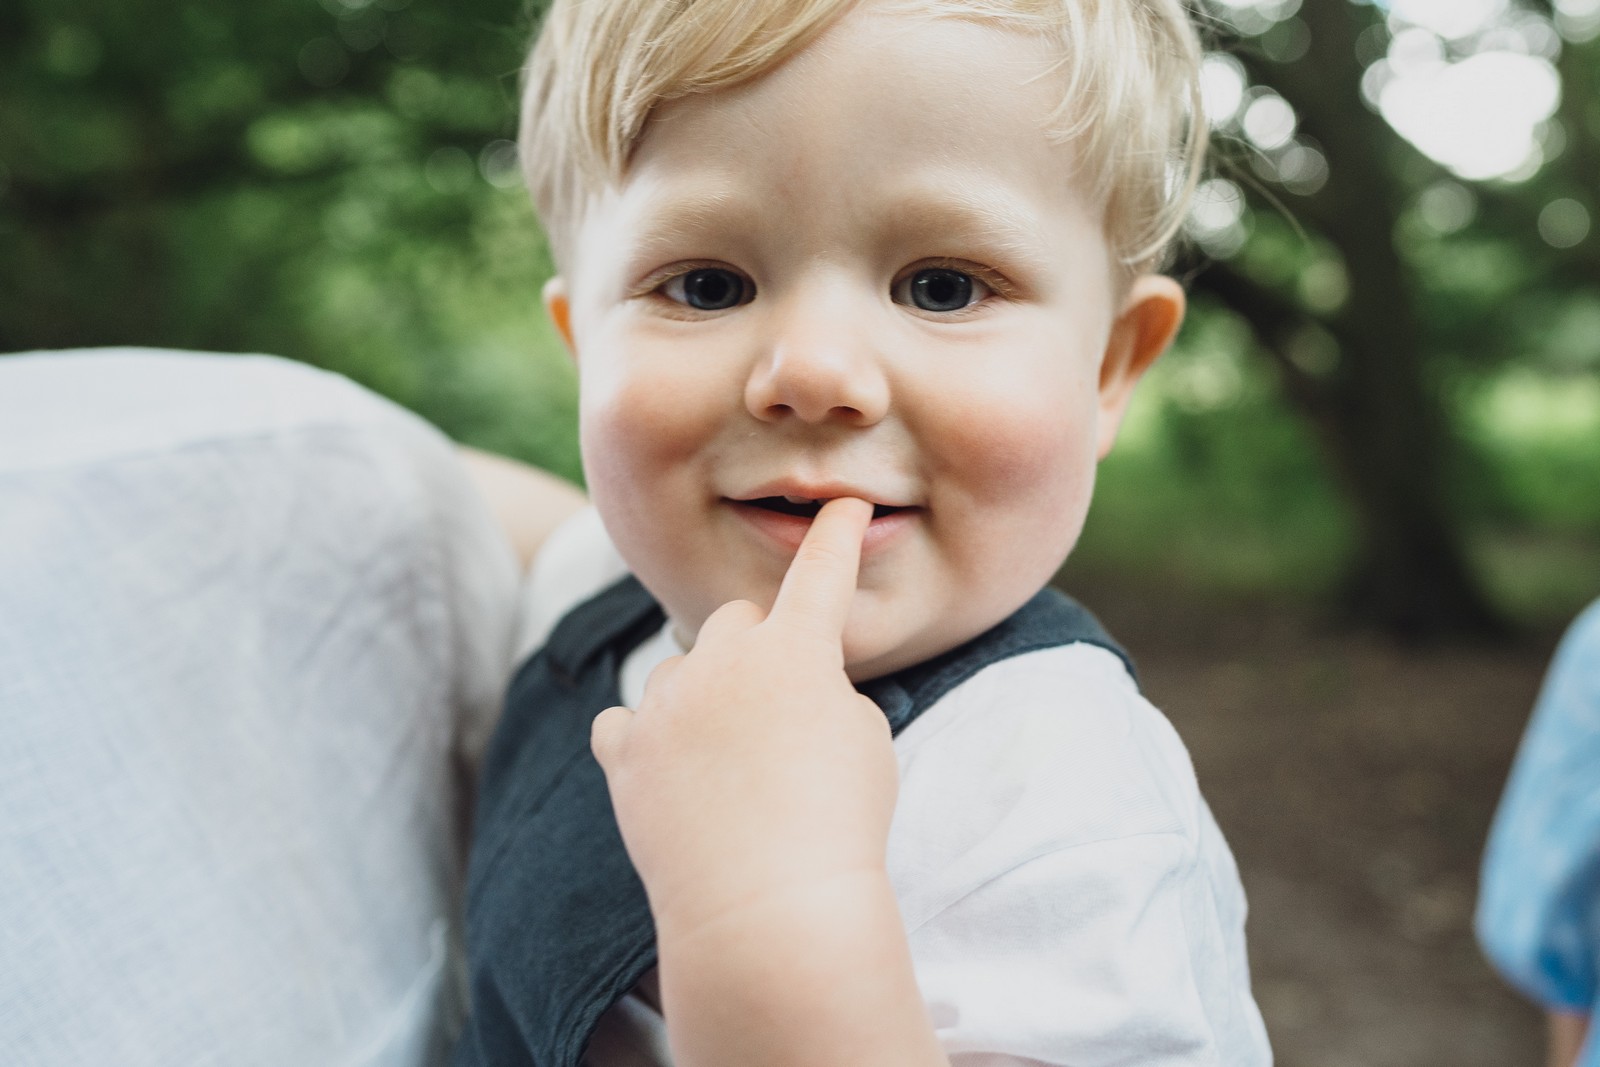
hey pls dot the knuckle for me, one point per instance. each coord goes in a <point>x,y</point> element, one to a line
<point>737,611</point>
<point>662,671</point>
<point>814,555</point>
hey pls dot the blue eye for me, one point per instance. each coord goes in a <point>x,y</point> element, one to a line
<point>708,289</point>
<point>940,289</point>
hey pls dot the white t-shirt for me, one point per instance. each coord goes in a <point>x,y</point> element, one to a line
<point>1067,896</point>
<point>250,617</point>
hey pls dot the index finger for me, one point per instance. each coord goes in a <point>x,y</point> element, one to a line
<point>821,581</point>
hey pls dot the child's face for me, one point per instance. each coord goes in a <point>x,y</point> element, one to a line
<point>867,273</point>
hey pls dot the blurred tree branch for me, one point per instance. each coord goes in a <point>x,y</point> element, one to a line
<point>1377,417</point>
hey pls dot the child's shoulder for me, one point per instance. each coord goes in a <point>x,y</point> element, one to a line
<point>1069,721</point>
<point>1049,817</point>
<point>1046,752</point>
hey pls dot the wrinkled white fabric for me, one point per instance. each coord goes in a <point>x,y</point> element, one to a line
<point>247,612</point>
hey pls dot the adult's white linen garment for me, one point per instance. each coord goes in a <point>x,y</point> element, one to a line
<point>252,621</point>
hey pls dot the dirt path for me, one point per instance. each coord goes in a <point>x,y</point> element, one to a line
<point>1355,782</point>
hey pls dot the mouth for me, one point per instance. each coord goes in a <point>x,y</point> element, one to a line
<point>783,520</point>
<point>807,508</point>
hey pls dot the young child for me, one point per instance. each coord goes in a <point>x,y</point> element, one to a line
<point>893,258</point>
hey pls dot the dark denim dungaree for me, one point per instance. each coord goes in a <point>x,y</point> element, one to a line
<point>558,927</point>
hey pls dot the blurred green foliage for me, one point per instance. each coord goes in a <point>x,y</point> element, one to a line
<point>333,182</point>
<point>1215,482</point>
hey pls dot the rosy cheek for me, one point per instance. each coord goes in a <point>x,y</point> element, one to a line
<point>643,443</point>
<point>619,465</point>
<point>1005,452</point>
<point>1018,473</point>
<point>638,424</point>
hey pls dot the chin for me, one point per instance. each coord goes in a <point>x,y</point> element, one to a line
<point>872,656</point>
<point>871,651</point>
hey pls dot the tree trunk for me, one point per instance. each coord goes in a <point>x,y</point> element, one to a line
<point>1378,418</point>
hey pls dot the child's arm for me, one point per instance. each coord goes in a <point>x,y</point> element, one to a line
<point>754,788</point>
<point>1539,882</point>
<point>527,502</point>
<point>1566,1036</point>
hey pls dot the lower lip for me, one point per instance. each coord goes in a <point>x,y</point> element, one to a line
<point>789,530</point>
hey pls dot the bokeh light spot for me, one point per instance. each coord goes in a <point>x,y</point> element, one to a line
<point>1449,18</point>
<point>1302,169</point>
<point>1446,207</point>
<point>1222,82</point>
<point>1578,20</point>
<point>1564,223</point>
<point>497,162</point>
<point>1216,218</point>
<point>1269,121</point>
<point>1314,350</point>
<point>449,170</point>
<point>1324,286</point>
<point>1287,42</point>
<point>1479,117</point>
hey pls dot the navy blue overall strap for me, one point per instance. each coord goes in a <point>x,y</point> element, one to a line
<point>558,925</point>
<point>1048,620</point>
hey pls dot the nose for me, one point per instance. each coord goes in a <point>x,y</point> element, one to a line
<point>818,365</point>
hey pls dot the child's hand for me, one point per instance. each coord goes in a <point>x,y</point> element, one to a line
<point>752,770</point>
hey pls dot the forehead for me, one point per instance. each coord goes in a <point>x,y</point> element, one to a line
<point>956,88</point>
<point>889,122</point>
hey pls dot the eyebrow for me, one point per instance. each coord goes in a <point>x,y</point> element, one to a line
<point>927,208</point>
<point>968,212</point>
<point>671,217</point>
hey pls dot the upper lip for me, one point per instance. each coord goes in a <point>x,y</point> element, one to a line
<point>822,490</point>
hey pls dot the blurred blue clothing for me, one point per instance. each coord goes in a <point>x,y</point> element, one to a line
<point>1539,908</point>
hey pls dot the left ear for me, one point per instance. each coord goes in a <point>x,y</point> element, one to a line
<point>1150,316</point>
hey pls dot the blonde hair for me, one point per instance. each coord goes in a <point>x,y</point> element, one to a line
<point>1130,99</point>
